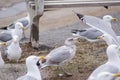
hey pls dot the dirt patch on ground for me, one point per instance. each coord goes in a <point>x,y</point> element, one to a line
<point>88,57</point>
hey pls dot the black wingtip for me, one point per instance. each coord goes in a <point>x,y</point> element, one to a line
<point>106,7</point>
<point>80,16</point>
<point>4,28</point>
<point>76,30</point>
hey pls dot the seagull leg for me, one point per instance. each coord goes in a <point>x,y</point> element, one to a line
<point>24,37</point>
<point>24,34</point>
<point>65,72</point>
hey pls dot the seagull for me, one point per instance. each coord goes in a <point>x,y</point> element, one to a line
<point>17,31</point>
<point>101,25</point>
<point>108,39</point>
<point>14,51</point>
<point>107,76</point>
<point>112,65</point>
<point>91,34</point>
<point>25,21</point>
<point>61,55</point>
<point>33,73</point>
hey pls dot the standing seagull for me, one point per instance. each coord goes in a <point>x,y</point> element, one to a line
<point>91,34</point>
<point>33,73</point>
<point>13,50</point>
<point>60,55</point>
<point>112,65</point>
<point>18,30</point>
<point>6,36</point>
<point>25,21</point>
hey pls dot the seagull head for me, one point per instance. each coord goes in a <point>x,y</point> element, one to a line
<point>105,37</point>
<point>33,61</point>
<point>71,40</point>
<point>107,76</point>
<point>112,52</point>
<point>109,18</point>
<point>19,25</point>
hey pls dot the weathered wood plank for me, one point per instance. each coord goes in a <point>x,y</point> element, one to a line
<point>35,9</point>
<point>78,3</point>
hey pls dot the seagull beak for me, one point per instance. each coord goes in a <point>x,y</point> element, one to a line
<point>15,40</point>
<point>2,43</point>
<point>22,27</point>
<point>41,57</point>
<point>99,37</point>
<point>116,75</point>
<point>114,19</point>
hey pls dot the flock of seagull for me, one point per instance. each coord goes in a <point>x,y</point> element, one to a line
<point>101,29</point>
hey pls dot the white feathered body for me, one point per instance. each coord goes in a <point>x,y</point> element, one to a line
<point>18,32</point>
<point>60,55</point>
<point>14,51</point>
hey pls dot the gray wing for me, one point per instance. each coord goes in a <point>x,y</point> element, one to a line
<point>105,68</point>
<point>58,55</point>
<point>91,33</point>
<point>26,78</point>
<point>101,25</point>
<point>11,26</point>
<point>4,37</point>
<point>25,21</point>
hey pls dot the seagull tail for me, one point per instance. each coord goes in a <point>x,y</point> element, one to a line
<point>80,16</point>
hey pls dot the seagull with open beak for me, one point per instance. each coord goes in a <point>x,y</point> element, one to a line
<point>32,64</point>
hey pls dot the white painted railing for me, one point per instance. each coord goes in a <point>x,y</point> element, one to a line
<point>80,3</point>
